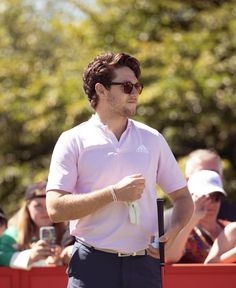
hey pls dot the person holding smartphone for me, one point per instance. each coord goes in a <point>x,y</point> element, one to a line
<point>103,177</point>
<point>20,245</point>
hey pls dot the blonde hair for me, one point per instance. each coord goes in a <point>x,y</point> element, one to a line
<point>203,159</point>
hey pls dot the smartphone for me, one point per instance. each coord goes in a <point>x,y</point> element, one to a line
<point>48,234</point>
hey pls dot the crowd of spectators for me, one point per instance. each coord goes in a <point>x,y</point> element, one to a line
<point>209,237</point>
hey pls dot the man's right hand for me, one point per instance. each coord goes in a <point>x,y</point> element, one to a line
<point>130,188</point>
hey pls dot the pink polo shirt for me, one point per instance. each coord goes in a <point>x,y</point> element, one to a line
<point>89,157</point>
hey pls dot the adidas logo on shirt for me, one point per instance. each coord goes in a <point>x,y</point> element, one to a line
<point>142,149</point>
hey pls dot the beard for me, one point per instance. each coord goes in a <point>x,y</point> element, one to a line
<point>129,112</point>
<point>125,110</point>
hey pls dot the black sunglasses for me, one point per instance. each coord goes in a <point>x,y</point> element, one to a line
<point>216,197</point>
<point>128,86</point>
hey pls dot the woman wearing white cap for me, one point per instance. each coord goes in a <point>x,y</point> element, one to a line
<point>195,240</point>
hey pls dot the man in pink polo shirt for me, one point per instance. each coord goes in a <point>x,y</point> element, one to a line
<point>103,177</point>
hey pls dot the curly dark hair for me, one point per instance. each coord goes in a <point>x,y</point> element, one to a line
<point>101,70</point>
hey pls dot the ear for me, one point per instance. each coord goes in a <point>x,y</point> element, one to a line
<point>100,89</point>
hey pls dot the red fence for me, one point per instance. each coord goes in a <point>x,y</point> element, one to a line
<point>35,278</point>
<point>200,276</point>
<point>176,276</point>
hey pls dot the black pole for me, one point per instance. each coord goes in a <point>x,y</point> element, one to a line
<point>160,214</point>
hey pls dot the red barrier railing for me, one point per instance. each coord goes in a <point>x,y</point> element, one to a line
<point>175,276</point>
<point>200,276</point>
<point>35,278</point>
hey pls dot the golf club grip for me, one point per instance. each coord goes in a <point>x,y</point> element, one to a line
<point>160,213</point>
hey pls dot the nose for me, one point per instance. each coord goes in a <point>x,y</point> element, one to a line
<point>44,210</point>
<point>134,92</point>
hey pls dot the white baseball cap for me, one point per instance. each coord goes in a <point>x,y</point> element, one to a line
<point>205,182</point>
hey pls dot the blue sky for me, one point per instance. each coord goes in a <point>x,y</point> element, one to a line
<point>60,6</point>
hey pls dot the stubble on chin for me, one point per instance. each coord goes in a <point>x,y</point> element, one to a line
<point>123,111</point>
<point>129,112</point>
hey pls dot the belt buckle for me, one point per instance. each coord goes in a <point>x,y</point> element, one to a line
<point>126,254</point>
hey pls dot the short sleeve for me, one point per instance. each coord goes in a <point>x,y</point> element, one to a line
<point>63,172</point>
<point>169,175</point>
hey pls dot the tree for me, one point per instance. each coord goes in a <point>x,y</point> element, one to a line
<point>41,94</point>
<point>187,52</point>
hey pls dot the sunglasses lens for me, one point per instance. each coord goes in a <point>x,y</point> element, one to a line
<point>216,197</point>
<point>139,87</point>
<point>128,87</point>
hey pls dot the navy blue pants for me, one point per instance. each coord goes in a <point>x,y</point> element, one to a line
<point>90,268</point>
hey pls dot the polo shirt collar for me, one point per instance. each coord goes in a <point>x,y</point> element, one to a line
<point>95,120</point>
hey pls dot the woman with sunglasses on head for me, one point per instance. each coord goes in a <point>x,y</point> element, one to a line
<point>195,240</point>
<point>20,245</point>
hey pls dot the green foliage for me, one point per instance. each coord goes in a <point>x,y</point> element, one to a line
<point>187,51</point>
<point>40,94</point>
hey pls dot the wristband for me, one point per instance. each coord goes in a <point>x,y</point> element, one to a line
<point>112,190</point>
